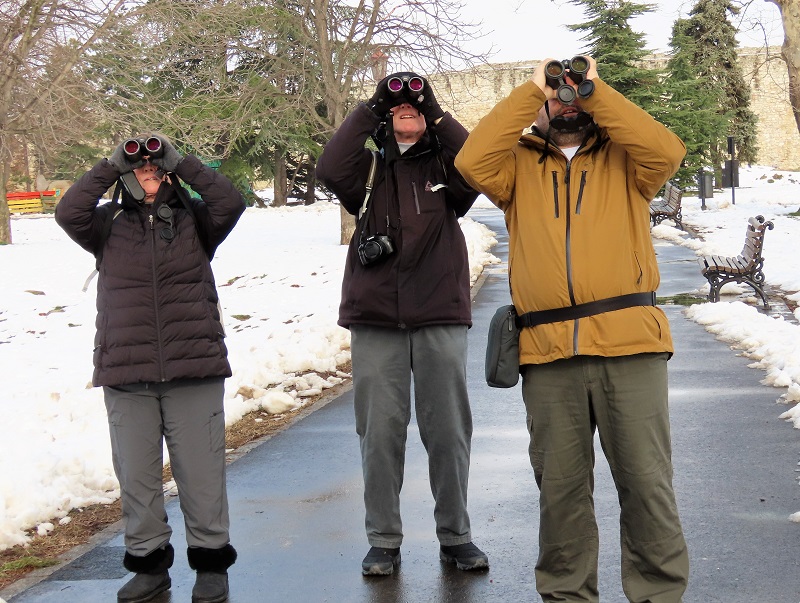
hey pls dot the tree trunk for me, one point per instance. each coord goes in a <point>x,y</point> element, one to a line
<point>279,188</point>
<point>348,222</point>
<point>311,183</point>
<point>790,15</point>
<point>5,215</point>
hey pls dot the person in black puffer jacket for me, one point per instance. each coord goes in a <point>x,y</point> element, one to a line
<point>159,352</point>
<point>406,301</point>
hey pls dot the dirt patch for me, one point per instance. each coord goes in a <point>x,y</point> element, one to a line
<point>43,551</point>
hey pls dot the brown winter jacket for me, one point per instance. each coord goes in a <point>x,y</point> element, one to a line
<point>157,315</point>
<point>426,280</point>
<point>579,230</point>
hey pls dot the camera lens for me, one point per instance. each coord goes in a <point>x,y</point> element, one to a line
<point>415,84</point>
<point>131,146</point>
<point>372,250</point>
<point>395,84</point>
<point>153,144</point>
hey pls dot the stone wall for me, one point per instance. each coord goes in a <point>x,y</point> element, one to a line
<point>469,95</point>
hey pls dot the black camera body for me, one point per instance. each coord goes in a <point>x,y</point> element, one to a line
<point>374,249</point>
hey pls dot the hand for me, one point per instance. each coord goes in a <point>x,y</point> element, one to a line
<point>426,103</point>
<point>122,161</point>
<point>169,159</point>
<point>382,102</point>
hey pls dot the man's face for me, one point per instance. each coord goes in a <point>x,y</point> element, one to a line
<point>150,178</point>
<point>408,124</point>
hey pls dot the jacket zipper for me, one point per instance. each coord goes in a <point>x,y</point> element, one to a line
<point>569,257</point>
<point>155,300</point>
<point>555,192</point>
<point>416,197</point>
<point>580,193</point>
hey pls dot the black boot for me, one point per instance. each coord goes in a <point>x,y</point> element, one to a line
<point>211,584</point>
<point>152,577</point>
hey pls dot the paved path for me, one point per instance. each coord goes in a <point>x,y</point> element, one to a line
<point>297,511</point>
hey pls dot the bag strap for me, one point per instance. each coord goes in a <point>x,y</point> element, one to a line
<point>370,181</point>
<point>532,319</point>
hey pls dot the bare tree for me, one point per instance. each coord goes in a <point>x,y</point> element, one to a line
<point>790,16</point>
<point>350,40</point>
<point>41,102</point>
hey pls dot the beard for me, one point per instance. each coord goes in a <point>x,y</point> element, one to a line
<point>569,131</point>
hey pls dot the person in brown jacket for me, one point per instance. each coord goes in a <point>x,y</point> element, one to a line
<point>159,353</point>
<point>406,301</point>
<point>593,344</point>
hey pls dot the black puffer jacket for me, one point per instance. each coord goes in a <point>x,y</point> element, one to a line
<point>426,280</point>
<point>157,314</point>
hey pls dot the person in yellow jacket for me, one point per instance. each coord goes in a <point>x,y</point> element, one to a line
<point>593,344</point>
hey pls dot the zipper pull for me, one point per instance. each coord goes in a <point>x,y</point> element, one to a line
<point>150,217</point>
<point>566,175</point>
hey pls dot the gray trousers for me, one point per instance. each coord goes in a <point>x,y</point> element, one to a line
<point>188,415</point>
<point>384,361</point>
<point>625,400</point>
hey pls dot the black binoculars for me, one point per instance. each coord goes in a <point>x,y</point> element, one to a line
<point>413,83</point>
<point>576,68</point>
<point>137,148</point>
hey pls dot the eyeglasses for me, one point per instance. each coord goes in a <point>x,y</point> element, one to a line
<point>164,212</point>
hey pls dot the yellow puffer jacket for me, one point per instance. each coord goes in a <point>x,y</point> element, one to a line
<point>579,230</point>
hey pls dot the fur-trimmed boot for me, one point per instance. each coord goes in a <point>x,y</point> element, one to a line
<point>211,565</point>
<point>151,576</point>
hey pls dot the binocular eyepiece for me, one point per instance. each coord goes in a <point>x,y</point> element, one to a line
<point>414,85</point>
<point>576,68</point>
<point>137,148</point>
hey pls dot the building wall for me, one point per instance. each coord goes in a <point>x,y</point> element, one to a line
<point>470,94</point>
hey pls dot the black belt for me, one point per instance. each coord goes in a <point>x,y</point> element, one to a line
<point>531,319</point>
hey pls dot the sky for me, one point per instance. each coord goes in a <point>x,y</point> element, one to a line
<point>279,277</point>
<point>524,30</point>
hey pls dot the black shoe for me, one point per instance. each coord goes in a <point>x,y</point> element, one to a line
<point>465,556</point>
<point>380,562</point>
<point>143,587</point>
<point>210,587</point>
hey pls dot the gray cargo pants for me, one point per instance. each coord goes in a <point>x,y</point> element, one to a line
<point>625,400</point>
<point>383,363</point>
<point>187,415</point>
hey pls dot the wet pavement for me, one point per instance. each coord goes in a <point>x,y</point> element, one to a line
<point>297,510</point>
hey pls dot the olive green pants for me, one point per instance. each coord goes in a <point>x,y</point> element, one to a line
<point>625,400</point>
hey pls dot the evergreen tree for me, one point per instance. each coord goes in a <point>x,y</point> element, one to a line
<point>619,51</point>
<point>693,108</point>
<point>706,45</point>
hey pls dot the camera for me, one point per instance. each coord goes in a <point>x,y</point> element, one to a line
<point>375,249</point>
<point>136,148</point>
<point>555,72</point>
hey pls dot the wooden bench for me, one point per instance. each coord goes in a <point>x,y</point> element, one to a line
<point>668,206</point>
<point>32,202</point>
<point>744,268</point>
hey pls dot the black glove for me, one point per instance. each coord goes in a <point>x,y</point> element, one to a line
<point>169,159</point>
<point>382,101</point>
<point>122,161</point>
<point>426,103</point>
